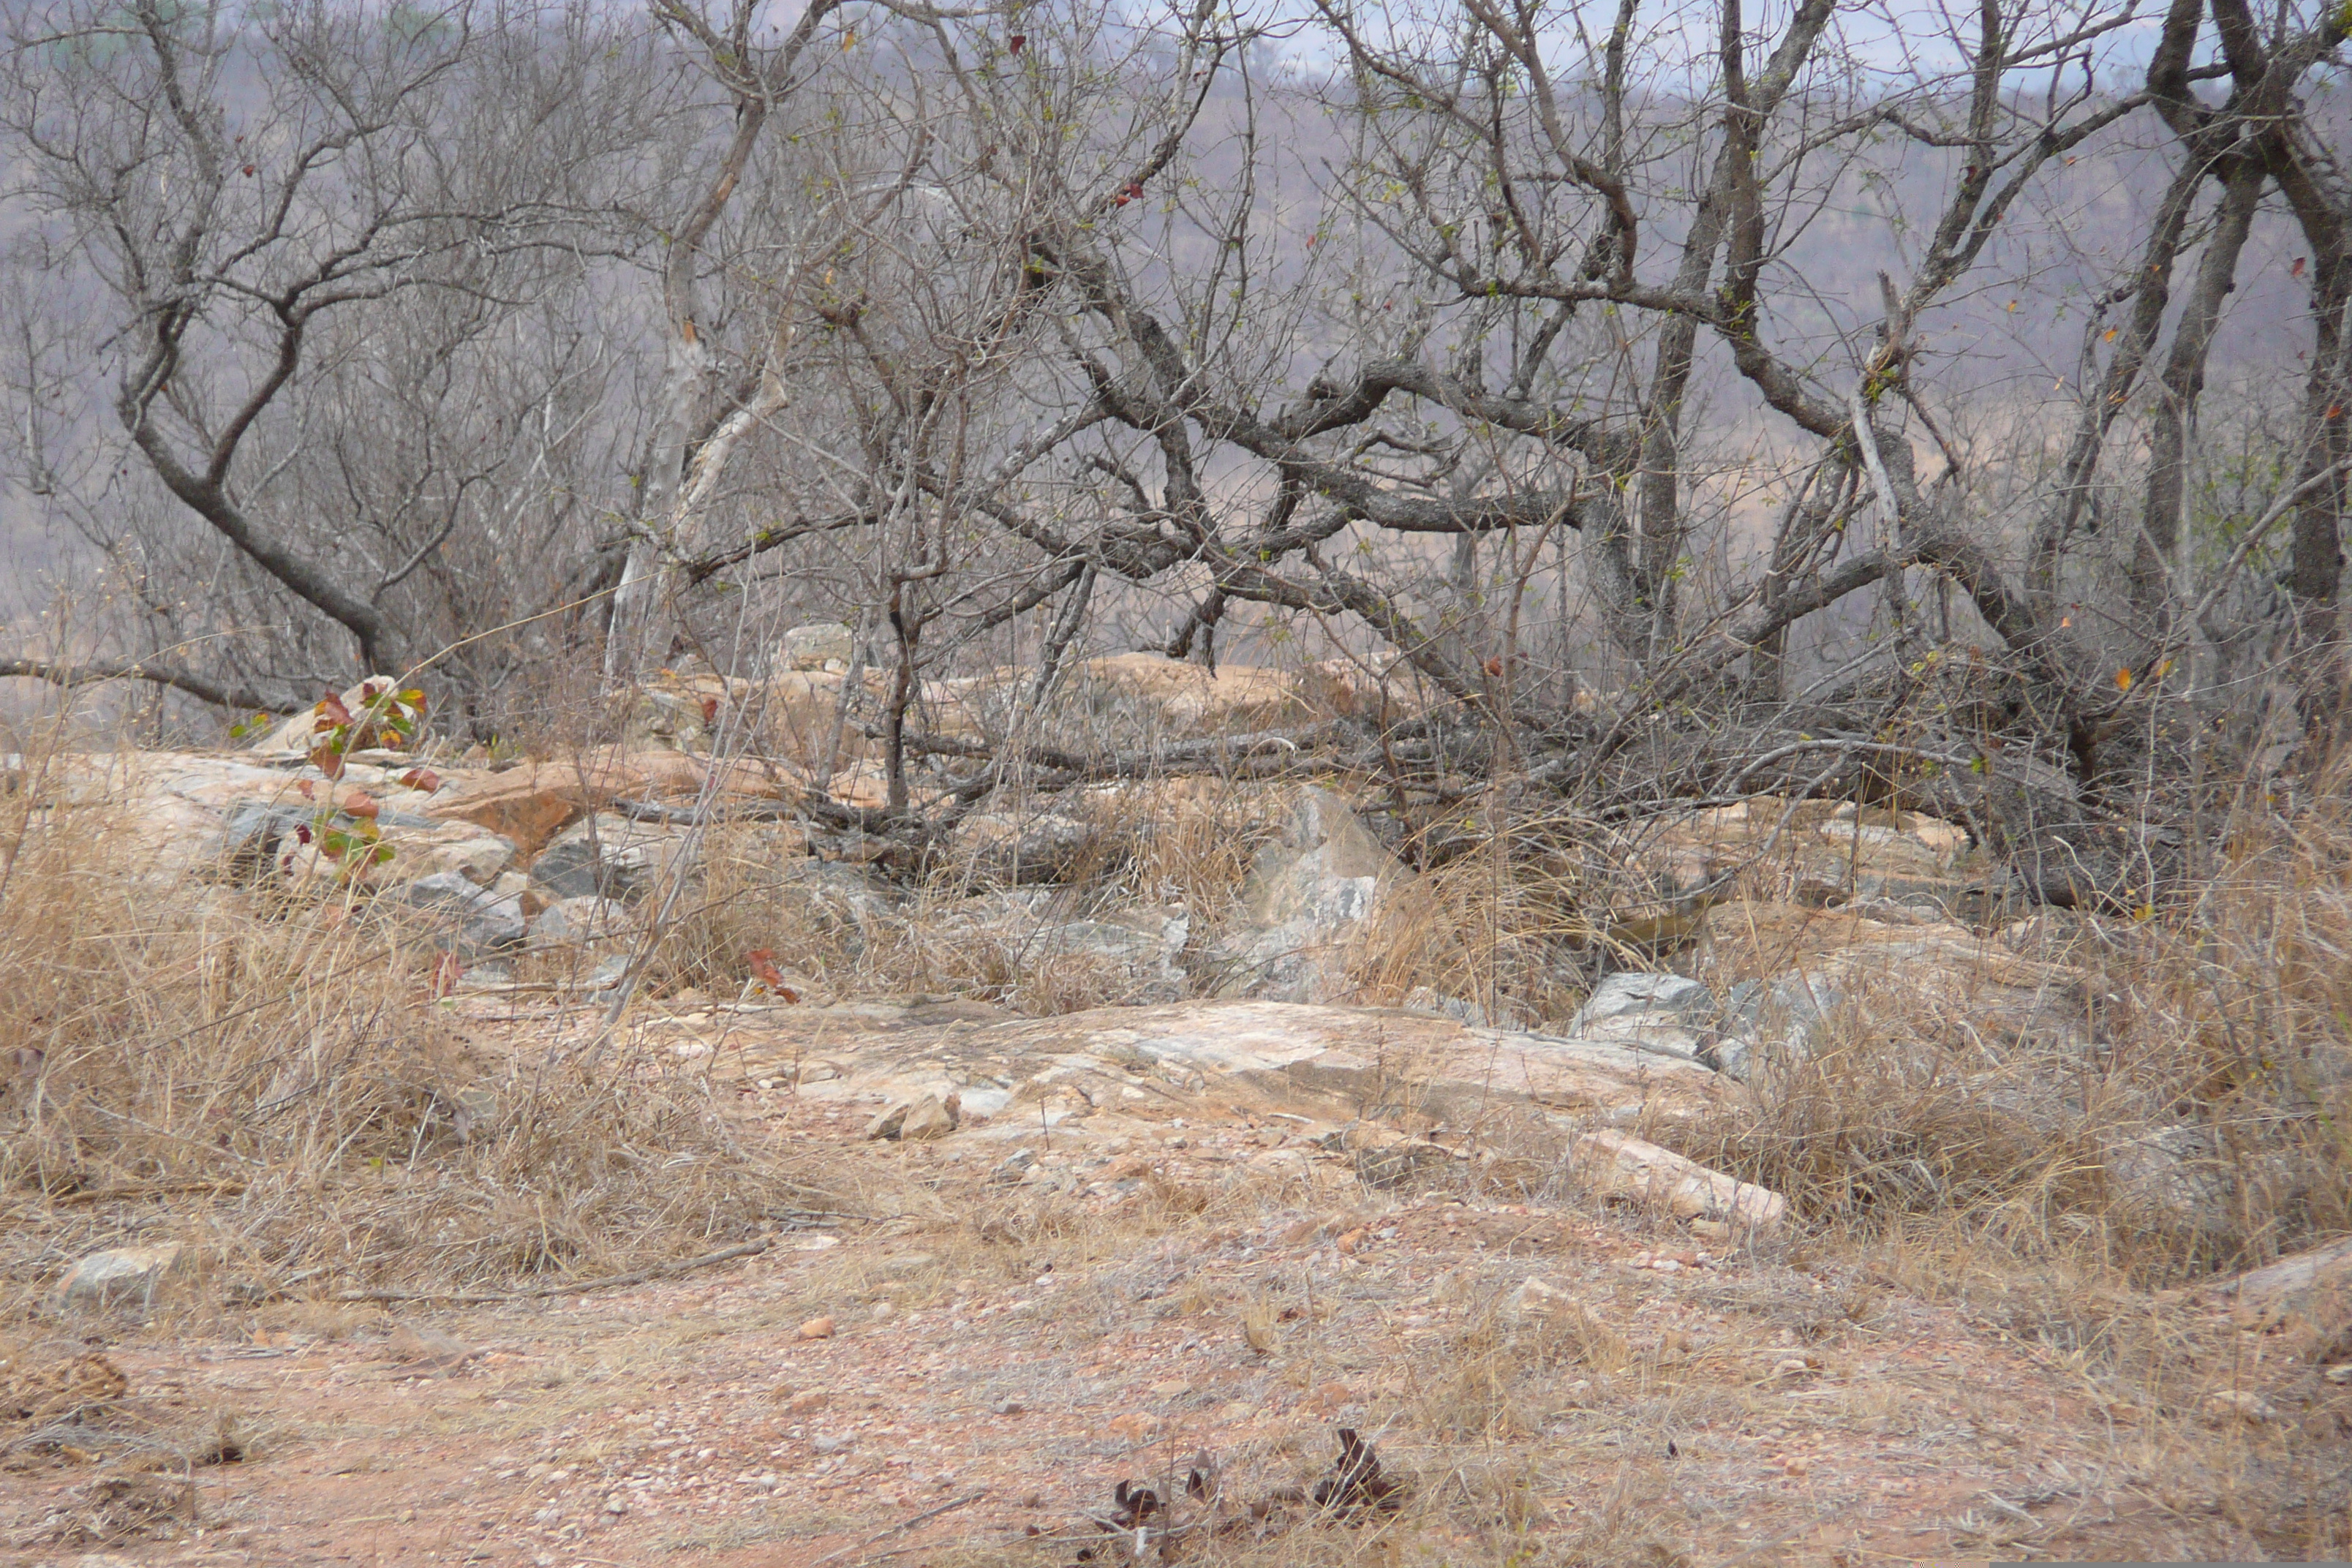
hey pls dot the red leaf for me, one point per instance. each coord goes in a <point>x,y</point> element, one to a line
<point>306,789</point>
<point>302,834</point>
<point>333,712</point>
<point>1018,42</point>
<point>2297,270</point>
<point>711,710</point>
<point>329,760</point>
<point>423,779</point>
<point>363,805</point>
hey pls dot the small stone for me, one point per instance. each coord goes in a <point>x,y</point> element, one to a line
<point>931,1118</point>
<point>818,1329</point>
<point>826,1444</point>
<point>1010,1407</point>
<point>616,1504</point>
<point>808,1399</point>
<point>2340,1374</point>
<point>1710,1230</point>
<point>1796,1466</point>
<point>1171,1388</point>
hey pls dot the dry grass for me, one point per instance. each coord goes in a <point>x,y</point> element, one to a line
<point>1185,847</point>
<point>267,1079</point>
<point>2194,1121</point>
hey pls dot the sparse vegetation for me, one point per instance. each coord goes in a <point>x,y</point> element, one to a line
<point>1069,757</point>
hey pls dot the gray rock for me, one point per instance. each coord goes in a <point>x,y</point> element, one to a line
<point>608,856</point>
<point>1308,896</point>
<point>119,1275</point>
<point>473,919</point>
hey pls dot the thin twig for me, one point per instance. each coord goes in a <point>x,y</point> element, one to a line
<point>902,1527</point>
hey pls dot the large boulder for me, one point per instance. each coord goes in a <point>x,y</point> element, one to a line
<point>1310,896</point>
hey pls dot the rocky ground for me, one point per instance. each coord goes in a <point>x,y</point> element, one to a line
<point>1017,1316</point>
<point>1142,1196</point>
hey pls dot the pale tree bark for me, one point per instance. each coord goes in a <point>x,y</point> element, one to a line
<point>756,78</point>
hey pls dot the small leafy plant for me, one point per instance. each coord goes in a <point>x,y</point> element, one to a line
<point>345,830</point>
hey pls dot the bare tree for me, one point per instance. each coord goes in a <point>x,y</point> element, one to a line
<point>1465,338</point>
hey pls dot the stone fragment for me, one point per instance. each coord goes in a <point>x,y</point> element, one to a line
<point>818,1329</point>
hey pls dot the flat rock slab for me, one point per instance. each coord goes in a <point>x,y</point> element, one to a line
<point>1213,1059</point>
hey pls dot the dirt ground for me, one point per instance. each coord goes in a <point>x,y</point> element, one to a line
<point>961,1370</point>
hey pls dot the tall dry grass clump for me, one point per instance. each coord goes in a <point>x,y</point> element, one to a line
<point>2190,1117</point>
<point>268,1079</point>
<point>1142,853</point>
